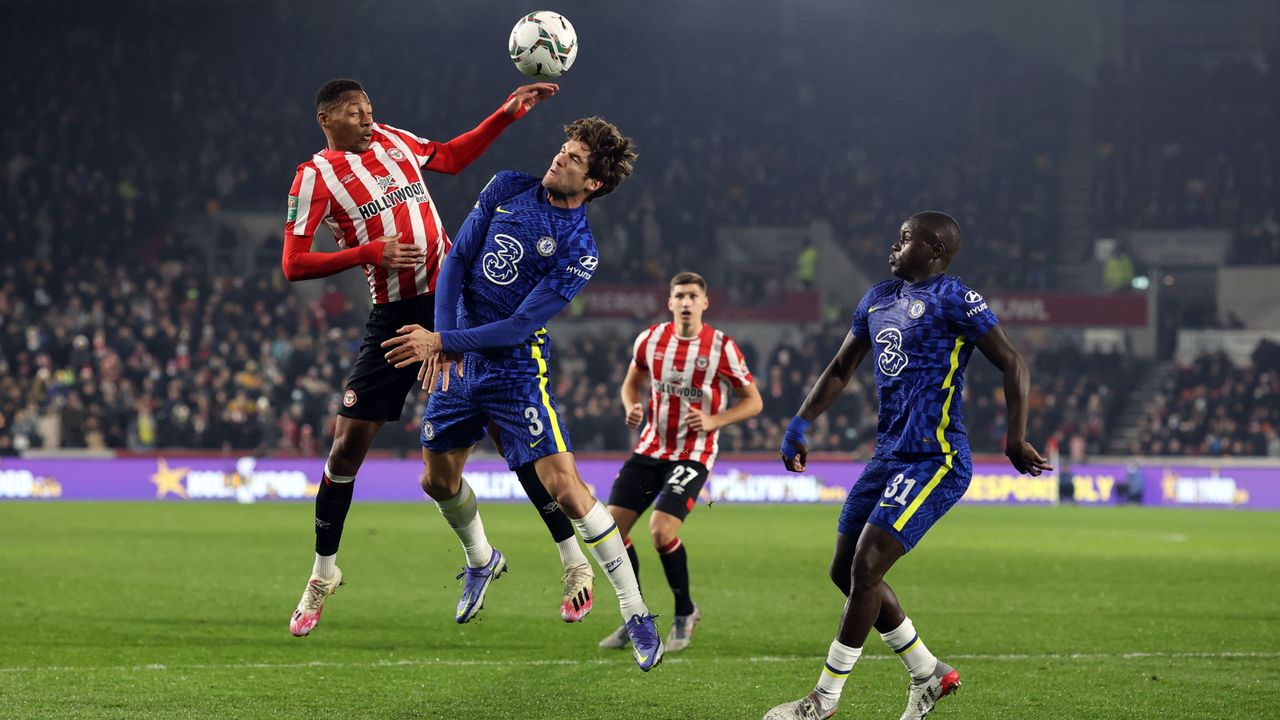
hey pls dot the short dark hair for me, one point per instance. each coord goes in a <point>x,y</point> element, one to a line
<point>689,278</point>
<point>613,155</point>
<point>940,225</point>
<point>331,91</point>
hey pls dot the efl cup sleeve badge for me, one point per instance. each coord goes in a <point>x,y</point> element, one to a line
<point>547,246</point>
<point>349,398</point>
<point>916,309</point>
<point>701,363</point>
<point>292,213</point>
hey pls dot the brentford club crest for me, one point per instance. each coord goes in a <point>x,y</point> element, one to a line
<point>349,397</point>
<point>395,154</point>
<point>701,363</point>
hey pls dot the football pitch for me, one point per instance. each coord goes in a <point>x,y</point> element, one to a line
<point>157,610</point>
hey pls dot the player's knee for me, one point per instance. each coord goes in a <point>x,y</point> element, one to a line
<point>865,575</point>
<point>663,530</point>
<point>436,485</point>
<point>841,574</point>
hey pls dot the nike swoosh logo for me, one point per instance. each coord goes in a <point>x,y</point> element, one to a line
<point>641,658</point>
<point>504,212</point>
<point>878,307</point>
<point>888,505</point>
<point>534,444</point>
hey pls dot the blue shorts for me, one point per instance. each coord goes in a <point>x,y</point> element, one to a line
<point>514,394</point>
<point>905,497</point>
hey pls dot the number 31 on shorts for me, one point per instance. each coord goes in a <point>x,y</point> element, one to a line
<point>901,481</point>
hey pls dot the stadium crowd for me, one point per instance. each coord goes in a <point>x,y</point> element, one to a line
<point>112,335</point>
<point>1186,142</point>
<point>1076,397</point>
<point>1213,408</point>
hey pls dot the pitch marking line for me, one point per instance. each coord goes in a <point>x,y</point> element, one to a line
<point>612,661</point>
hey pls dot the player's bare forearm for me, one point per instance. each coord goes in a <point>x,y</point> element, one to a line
<point>997,348</point>
<point>632,410</point>
<point>833,380</point>
<point>631,386</point>
<point>748,406</point>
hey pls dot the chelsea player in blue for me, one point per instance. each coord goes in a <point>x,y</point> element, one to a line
<point>920,329</point>
<point>523,253</point>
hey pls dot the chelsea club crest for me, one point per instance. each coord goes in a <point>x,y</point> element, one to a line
<point>546,246</point>
<point>915,309</point>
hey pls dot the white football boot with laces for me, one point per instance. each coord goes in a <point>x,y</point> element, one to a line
<point>311,605</point>
<point>578,595</point>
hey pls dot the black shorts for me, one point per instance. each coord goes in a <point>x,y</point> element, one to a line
<point>675,484</point>
<point>375,390</point>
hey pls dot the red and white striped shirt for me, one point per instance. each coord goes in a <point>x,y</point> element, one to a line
<point>366,196</point>
<point>697,372</point>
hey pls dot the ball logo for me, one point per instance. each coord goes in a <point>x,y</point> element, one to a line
<point>972,297</point>
<point>701,363</point>
<point>546,246</point>
<point>501,265</point>
<point>428,430</point>
<point>916,309</point>
<point>395,154</point>
<point>349,398</point>
<point>589,262</point>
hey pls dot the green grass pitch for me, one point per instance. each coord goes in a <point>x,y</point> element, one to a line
<point>158,610</point>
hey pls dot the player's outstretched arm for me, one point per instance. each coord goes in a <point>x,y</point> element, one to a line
<point>452,157</point>
<point>997,348</point>
<point>832,382</point>
<point>536,310</point>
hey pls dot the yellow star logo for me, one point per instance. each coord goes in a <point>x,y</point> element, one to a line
<point>169,481</point>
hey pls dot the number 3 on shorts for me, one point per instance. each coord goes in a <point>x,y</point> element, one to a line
<point>535,420</point>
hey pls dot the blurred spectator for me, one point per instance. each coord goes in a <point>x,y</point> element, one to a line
<point>1213,408</point>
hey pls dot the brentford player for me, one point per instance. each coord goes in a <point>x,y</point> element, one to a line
<point>692,368</point>
<point>367,188</point>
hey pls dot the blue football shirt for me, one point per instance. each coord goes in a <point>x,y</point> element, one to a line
<point>527,239</point>
<point>921,337</point>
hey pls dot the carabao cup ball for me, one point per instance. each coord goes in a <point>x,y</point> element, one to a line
<point>543,45</point>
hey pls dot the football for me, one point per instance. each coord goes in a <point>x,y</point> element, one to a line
<point>543,45</point>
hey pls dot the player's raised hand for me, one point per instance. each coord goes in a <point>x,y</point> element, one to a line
<point>400,256</point>
<point>699,421</point>
<point>412,343</point>
<point>795,449</point>
<point>526,96</point>
<point>635,415</point>
<point>1026,458</point>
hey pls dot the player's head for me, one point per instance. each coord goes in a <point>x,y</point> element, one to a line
<point>594,159</point>
<point>345,114</point>
<point>926,243</point>
<point>688,298</point>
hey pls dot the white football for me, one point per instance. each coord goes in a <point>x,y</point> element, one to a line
<point>543,45</point>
